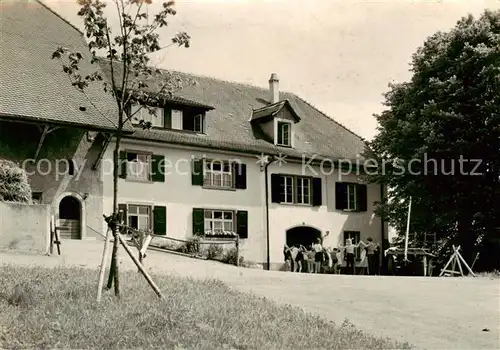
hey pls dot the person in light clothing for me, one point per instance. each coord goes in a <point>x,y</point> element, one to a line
<point>372,257</point>
<point>318,255</point>
<point>349,254</point>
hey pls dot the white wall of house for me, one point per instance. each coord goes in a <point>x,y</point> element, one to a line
<point>180,196</point>
<point>325,217</point>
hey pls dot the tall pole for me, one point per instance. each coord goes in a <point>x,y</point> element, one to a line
<point>407,231</point>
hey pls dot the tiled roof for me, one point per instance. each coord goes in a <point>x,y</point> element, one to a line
<point>32,84</point>
<point>229,127</point>
<point>272,110</point>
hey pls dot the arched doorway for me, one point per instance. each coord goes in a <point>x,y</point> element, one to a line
<point>304,235</point>
<point>69,218</point>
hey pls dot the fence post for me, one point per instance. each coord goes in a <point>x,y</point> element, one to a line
<point>238,250</point>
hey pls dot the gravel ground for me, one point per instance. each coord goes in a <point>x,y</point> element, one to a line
<point>430,313</point>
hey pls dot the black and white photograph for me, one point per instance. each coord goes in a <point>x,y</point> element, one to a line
<point>250,174</point>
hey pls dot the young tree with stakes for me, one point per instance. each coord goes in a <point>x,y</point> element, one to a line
<point>127,52</point>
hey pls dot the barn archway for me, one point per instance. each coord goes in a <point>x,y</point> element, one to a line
<point>70,216</point>
<point>302,235</point>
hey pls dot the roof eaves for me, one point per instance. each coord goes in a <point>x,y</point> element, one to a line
<point>326,116</point>
<point>29,119</point>
<point>62,18</point>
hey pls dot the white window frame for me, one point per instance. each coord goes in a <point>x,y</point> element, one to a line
<point>139,170</point>
<point>351,190</point>
<point>198,119</point>
<point>304,190</point>
<point>284,191</point>
<point>225,224</point>
<point>157,120</point>
<point>217,178</point>
<point>176,116</point>
<point>144,216</point>
<point>281,132</point>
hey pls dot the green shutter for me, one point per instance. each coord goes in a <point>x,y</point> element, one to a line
<point>158,168</point>
<point>123,164</point>
<point>361,199</point>
<point>240,175</point>
<point>275,188</point>
<point>198,222</point>
<point>160,220</point>
<point>122,213</point>
<point>167,114</point>
<point>197,172</point>
<point>242,223</point>
<point>317,192</point>
<point>340,195</point>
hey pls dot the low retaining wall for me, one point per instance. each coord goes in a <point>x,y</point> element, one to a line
<point>24,227</point>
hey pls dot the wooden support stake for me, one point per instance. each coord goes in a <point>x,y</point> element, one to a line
<point>447,264</point>
<point>425,265</point>
<point>57,240</point>
<point>465,263</point>
<point>145,245</point>
<point>139,265</point>
<point>103,267</point>
<point>52,234</point>
<point>238,250</point>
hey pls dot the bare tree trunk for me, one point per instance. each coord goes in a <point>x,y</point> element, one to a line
<point>113,277</point>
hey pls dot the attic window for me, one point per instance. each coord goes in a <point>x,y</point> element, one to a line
<point>284,134</point>
<point>193,122</point>
<point>139,113</point>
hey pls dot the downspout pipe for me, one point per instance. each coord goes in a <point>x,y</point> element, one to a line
<point>266,174</point>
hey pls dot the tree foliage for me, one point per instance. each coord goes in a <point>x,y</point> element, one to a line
<point>14,184</point>
<point>444,126</point>
<point>132,81</point>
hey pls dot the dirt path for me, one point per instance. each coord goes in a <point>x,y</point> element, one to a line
<point>432,313</point>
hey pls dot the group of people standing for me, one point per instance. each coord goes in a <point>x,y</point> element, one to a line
<point>319,259</point>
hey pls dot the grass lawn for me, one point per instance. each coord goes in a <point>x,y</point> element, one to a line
<point>56,308</point>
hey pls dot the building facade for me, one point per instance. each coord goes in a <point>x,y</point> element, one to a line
<point>220,159</point>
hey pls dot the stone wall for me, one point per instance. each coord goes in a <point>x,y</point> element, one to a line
<point>24,227</point>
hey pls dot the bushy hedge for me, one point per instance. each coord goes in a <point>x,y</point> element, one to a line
<point>14,186</point>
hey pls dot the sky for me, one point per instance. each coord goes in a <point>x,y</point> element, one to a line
<point>339,55</point>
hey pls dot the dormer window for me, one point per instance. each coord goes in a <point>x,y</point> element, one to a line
<point>186,120</point>
<point>139,113</point>
<point>284,134</point>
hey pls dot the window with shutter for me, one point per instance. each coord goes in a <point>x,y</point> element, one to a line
<point>176,119</point>
<point>197,172</point>
<point>242,223</point>
<point>160,220</point>
<point>275,188</point>
<point>218,173</point>
<point>340,196</point>
<point>139,216</point>
<point>123,164</point>
<point>240,174</point>
<point>198,222</point>
<point>292,189</point>
<point>317,192</point>
<point>352,196</point>
<point>362,200</point>
<point>158,168</point>
<point>138,166</point>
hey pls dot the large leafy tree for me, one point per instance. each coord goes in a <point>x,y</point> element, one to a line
<point>127,48</point>
<point>447,120</point>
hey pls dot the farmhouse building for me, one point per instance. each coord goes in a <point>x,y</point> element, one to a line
<point>221,158</point>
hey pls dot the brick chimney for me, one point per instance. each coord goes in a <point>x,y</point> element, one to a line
<point>274,90</point>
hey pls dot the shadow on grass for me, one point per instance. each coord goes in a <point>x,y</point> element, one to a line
<point>56,308</point>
